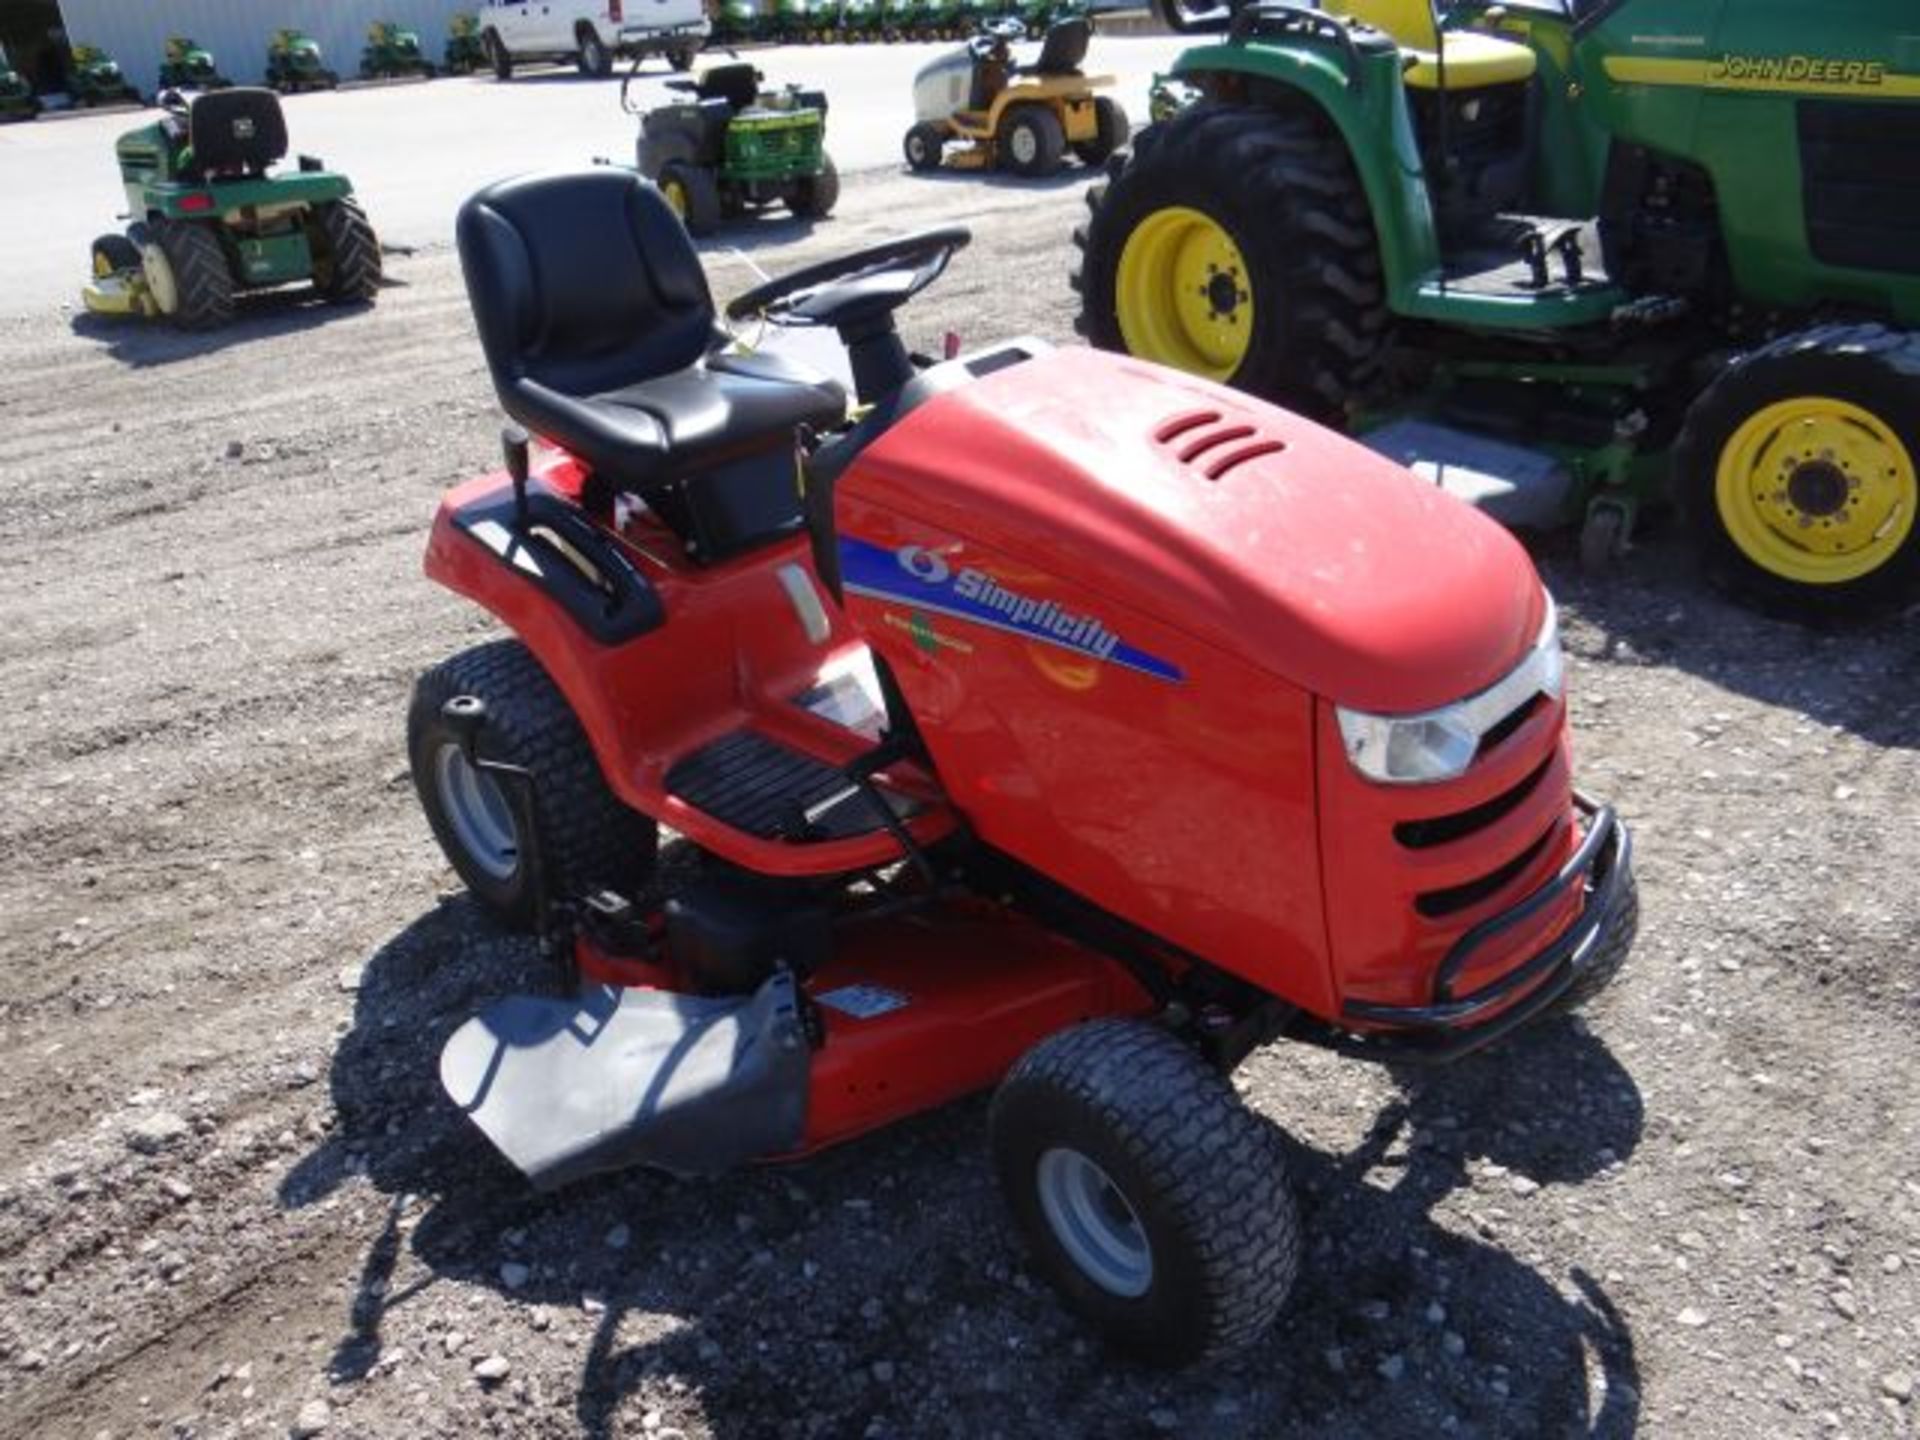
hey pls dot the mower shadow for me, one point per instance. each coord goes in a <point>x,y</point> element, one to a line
<point>876,1289</point>
<point>142,344</point>
<point>1656,610</point>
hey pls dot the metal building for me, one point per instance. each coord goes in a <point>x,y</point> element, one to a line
<point>135,32</point>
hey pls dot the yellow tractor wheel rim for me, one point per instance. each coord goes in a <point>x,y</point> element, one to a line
<point>1184,295</point>
<point>676,195</point>
<point>1817,490</point>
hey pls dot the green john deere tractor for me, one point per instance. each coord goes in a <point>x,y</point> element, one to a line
<point>212,218</point>
<point>188,65</point>
<point>17,100</point>
<point>465,52</point>
<point>393,50</point>
<point>1567,257</point>
<point>94,78</point>
<point>294,64</point>
<point>732,149</point>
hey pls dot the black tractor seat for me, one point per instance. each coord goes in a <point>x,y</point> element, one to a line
<point>240,132</point>
<point>1062,51</point>
<point>737,84</point>
<point>600,334</point>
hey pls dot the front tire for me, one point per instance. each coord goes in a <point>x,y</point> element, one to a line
<point>1235,242</point>
<point>924,145</point>
<point>114,255</point>
<point>814,196</point>
<point>348,271</point>
<point>1032,143</point>
<point>1797,473</point>
<point>582,837</point>
<point>1153,1200</point>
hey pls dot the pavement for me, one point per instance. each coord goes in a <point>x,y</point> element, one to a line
<point>415,150</point>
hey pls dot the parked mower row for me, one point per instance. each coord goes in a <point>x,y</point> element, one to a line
<point>815,22</point>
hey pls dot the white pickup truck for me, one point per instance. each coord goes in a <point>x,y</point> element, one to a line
<point>591,35</point>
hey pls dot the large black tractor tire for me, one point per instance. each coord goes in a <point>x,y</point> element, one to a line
<point>1153,1200</point>
<point>498,56</point>
<point>694,194</point>
<point>348,269</point>
<point>583,837</point>
<point>594,59</point>
<point>201,278</point>
<point>1031,142</point>
<point>1111,131</point>
<point>1283,189</point>
<point>1797,473</point>
<point>114,255</point>
<point>924,145</point>
<point>814,196</point>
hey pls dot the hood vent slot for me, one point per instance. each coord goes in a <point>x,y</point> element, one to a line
<point>1215,444</point>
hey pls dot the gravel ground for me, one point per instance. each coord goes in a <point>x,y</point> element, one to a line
<point>232,1200</point>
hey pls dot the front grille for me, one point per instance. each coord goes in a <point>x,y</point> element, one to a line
<point>1444,829</point>
<point>1438,904</point>
<point>1860,182</point>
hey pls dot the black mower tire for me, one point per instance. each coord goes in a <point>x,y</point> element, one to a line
<point>499,58</point>
<point>1871,367</point>
<point>814,196</point>
<point>117,253</point>
<point>351,271</point>
<point>1111,130</point>
<point>202,280</point>
<point>1036,131</point>
<point>1203,1177</point>
<point>703,196</point>
<point>1607,965</point>
<point>1284,189</point>
<point>593,58</point>
<point>923,146</point>
<point>584,837</point>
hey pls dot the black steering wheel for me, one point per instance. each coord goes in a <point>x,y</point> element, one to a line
<point>994,38</point>
<point>849,292</point>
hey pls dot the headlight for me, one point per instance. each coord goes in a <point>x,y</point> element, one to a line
<point>1440,744</point>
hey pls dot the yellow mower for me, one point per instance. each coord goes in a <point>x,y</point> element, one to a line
<point>974,109</point>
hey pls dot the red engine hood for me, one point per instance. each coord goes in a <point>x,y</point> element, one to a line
<point>1233,520</point>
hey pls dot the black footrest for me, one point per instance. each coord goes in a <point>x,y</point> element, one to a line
<point>766,789</point>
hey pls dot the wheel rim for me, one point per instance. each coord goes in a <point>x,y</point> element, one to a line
<point>1816,490</point>
<point>676,196</point>
<point>1183,294</point>
<point>159,277</point>
<point>482,820</point>
<point>1024,145</point>
<point>1094,1223</point>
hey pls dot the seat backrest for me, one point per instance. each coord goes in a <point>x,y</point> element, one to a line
<point>1409,22</point>
<point>738,85</point>
<point>237,130</point>
<point>582,281</point>
<point>1064,48</point>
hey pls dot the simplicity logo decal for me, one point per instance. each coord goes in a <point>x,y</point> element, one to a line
<point>916,576</point>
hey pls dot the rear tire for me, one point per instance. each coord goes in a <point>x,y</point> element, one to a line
<point>1032,142</point>
<point>202,284</point>
<point>1797,473</point>
<point>595,60</point>
<point>924,145</point>
<point>1155,1202</point>
<point>498,56</point>
<point>583,836</point>
<point>1282,189</point>
<point>1111,131</point>
<point>698,202</point>
<point>681,58</point>
<point>814,196</point>
<point>350,271</point>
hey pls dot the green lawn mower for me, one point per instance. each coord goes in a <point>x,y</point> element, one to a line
<point>94,78</point>
<point>213,219</point>
<point>294,63</point>
<point>393,51</point>
<point>732,149</point>
<point>732,22</point>
<point>1565,257</point>
<point>188,65</point>
<point>465,53</point>
<point>17,100</point>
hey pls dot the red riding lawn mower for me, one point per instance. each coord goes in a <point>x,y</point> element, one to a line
<point>1046,719</point>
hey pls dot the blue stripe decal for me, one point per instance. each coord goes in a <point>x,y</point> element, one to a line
<point>921,578</point>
